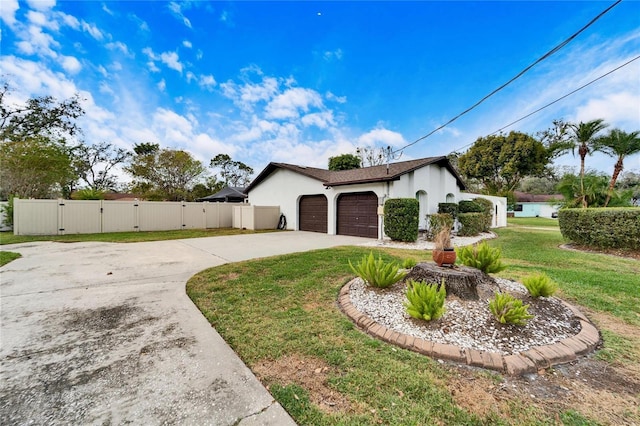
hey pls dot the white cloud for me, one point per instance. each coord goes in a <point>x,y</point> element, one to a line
<point>381,137</point>
<point>291,102</point>
<point>71,64</point>
<point>330,55</point>
<point>8,11</point>
<point>41,20</point>
<point>162,85</point>
<point>92,30</point>
<point>190,77</point>
<point>177,12</point>
<point>339,99</point>
<point>41,4</point>
<point>321,120</point>
<point>187,44</point>
<point>171,60</point>
<point>107,10</point>
<point>37,42</point>
<point>118,45</point>
<point>69,20</point>
<point>207,82</point>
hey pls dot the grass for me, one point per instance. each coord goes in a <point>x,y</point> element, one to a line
<point>126,237</point>
<point>8,256</point>
<point>285,307</point>
<point>533,222</point>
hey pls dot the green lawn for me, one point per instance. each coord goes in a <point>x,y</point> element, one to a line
<point>281,311</point>
<point>126,237</point>
<point>532,222</point>
<point>8,256</point>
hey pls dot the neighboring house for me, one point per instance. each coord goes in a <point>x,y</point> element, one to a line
<point>230,194</point>
<point>533,205</point>
<point>348,202</point>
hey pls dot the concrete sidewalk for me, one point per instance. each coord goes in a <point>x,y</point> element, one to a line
<point>101,333</point>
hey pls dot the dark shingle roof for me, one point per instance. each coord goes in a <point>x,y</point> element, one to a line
<point>226,194</point>
<point>382,173</point>
<point>524,197</point>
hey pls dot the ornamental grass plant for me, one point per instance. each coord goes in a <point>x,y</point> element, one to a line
<point>377,273</point>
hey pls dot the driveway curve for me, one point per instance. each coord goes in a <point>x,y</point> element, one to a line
<point>104,333</point>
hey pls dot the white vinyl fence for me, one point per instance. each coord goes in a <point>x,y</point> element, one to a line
<point>60,217</point>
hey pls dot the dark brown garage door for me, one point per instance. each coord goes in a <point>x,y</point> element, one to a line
<point>358,214</point>
<point>313,213</point>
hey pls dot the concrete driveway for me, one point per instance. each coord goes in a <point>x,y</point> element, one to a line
<point>103,333</point>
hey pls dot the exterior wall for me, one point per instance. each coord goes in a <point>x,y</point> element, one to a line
<point>537,210</point>
<point>499,207</point>
<point>255,217</point>
<point>59,217</point>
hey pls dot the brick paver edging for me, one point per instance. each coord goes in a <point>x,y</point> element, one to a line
<point>529,361</point>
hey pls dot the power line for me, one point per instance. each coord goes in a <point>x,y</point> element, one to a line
<point>555,101</point>
<point>542,58</point>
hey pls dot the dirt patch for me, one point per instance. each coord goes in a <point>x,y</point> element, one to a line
<point>309,373</point>
<point>631,254</point>
<point>593,388</point>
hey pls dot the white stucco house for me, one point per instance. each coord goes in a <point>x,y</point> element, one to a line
<point>349,202</point>
<point>533,205</point>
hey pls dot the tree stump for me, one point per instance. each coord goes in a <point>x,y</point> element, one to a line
<point>460,281</point>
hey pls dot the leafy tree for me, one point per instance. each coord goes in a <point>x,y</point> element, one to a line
<point>210,186</point>
<point>163,174</point>
<point>592,190</point>
<point>94,164</point>
<point>618,144</point>
<point>232,173</point>
<point>42,116</point>
<point>630,181</point>
<point>501,161</point>
<point>344,162</point>
<point>557,138</point>
<point>34,167</point>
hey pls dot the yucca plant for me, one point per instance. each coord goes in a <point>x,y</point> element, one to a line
<point>377,273</point>
<point>540,285</point>
<point>425,301</point>
<point>482,257</point>
<point>409,263</point>
<point>509,310</point>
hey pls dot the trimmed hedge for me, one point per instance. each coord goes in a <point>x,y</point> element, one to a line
<point>487,209</point>
<point>471,224</point>
<point>451,208</point>
<point>602,227</point>
<point>470,206</point>
<point>401,219</point>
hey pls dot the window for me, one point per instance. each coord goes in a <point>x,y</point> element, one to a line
<point>518,208</point>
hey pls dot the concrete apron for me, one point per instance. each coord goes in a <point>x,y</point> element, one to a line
<point>100,333</point>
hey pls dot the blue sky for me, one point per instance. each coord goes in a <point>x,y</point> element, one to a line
<point>299,82</point>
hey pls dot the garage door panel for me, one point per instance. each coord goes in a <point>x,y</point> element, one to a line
<point>358,215</point>
<point>313,213</point>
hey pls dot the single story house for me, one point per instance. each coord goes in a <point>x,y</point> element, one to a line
<point>229,194</point>
<point>349,202</point>
<point>534,205</point>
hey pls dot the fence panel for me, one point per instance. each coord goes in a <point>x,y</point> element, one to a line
<point>119,216</point>
<point>35,217</point>
<point>80,217</point>
<point>194,216</point>
<point>266,217</point>
<point>159,216</point>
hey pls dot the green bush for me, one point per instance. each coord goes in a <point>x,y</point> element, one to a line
<point>437,222</point>
<point>482,257</point>
<point>617,228</point>
<point>7,209</point>
<point>540,285</point>
<point>409,263</point>
<point>401,219</point>
<point>425,301</point>
<point>451,208</point>
<point>471,224</point>
<point>509,310</point>
<point>469,206</point>
<point>487,210</point>
<point>377,273</point>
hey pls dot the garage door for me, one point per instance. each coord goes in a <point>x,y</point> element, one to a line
<point>313,213</point>
<point>358,215</point>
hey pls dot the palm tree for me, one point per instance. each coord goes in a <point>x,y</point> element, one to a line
<point>583,137</point>
<point>618,144</point>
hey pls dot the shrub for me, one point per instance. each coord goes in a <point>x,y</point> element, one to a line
<point>450,208</point>
<point>88,194</point>
<point>425,301</point>
<point>487,210</point>
<point>482,257</point>
<point>471,224</point>
<point>401,219</point>
<point>437,222</point>
<point>409,263</point>
<point>602,227</point>
<point>7,209</point>
<point>540,285</point>
<point>377,273</point>
<point>469,206</point>
<point>509,310</point>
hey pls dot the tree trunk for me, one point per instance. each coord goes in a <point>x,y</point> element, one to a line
<point>461,281</point>
<point>616,172</point>
<point>582,151</point>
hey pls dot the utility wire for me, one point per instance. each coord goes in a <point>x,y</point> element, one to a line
<point>555,101</point>
<point>542,58</point>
